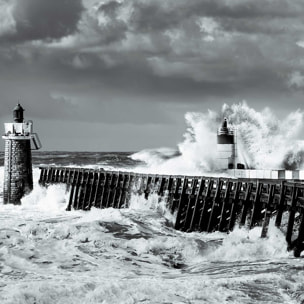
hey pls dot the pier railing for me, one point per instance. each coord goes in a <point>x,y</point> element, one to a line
<point>200,203</point>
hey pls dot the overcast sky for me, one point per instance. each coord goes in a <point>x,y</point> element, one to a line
<point>120,75</point>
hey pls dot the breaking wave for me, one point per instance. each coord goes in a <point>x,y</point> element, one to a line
<point>135,255</point>
<point>263,142</point>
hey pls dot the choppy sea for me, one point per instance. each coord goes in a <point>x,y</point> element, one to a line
<point>49,255</point>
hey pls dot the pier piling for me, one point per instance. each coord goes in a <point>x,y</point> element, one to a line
<point>199,203</point>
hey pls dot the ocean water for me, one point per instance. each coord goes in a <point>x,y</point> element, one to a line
<point>134,255</point>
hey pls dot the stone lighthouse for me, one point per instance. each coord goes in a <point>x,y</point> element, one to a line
<point>19,141</point>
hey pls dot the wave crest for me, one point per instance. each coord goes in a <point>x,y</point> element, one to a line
<point>263,142</point>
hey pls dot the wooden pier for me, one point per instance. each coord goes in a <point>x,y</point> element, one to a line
<point>200,203</point>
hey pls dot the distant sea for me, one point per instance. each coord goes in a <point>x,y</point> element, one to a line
<point>134,255</point>
<point>62,158</point>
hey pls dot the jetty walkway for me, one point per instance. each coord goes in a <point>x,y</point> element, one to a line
<point>200,203</point>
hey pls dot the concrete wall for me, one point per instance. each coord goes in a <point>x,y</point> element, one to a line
<point>267,174</point>
<point>225,155</point>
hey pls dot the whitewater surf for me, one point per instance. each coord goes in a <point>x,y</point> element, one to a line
<point>134,255</point>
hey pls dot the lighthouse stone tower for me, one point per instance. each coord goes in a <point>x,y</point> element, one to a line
<point>19,141</point>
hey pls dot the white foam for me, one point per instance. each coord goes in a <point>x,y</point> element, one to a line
<point>48,255</point>
<point>247,245</point>
<point>263,142</point>
<point>155,203</point>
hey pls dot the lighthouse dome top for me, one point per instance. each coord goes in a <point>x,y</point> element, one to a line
<point>18,107</point>
<point>18,113</point>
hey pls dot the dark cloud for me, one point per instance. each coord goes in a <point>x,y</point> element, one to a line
<point>153,16</point>
<point>248,8</point>
<point>124,62</point>
<point>44,19</point>
<point>160,15</point>
<point>110,8</point>
<point>215,47</point>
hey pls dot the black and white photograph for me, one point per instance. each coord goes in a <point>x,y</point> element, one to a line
<point>151,151</point>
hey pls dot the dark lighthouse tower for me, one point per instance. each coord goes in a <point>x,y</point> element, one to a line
<point>19,141</point>
<point>226,147</point>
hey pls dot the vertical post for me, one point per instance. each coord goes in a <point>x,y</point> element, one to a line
<point>292,212</point>
<point>124,191</point>
<point>191,204</point>
<point>92,189</point>
<point>129,190</point>
<point>148,186</point>
<point>215,206</point>
<point>63,176</point>
<point>203,222</point>
<point>72,191</point>
<point>41,176</point>
<point>197,204</point>
<point>77,189</point>
<point>298,244</point>
<point>85,188</point>
<point>169,192</point>
<point>246,203</point>
<point>268,211</point>
<point>235,206</point>
<point>257,205</point>
<point>18,176</point>
<point>281,205</point>
<point>107,180</point>
<point>113,188</point>
<point>181,204</point>
<point>109,190</point>
<point>175,194</point>
<point>97,190</point>
<point>225,207</point>
<point>119,189</point>
<point>162,184</point>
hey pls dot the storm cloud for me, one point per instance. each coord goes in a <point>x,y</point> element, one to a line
<point>147,62</point>
<point>29,20</point>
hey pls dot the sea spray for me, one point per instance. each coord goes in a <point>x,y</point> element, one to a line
<point>263,142</point>
<point>192,156</point>
<point>155,204</point>
<point>247,245</point>
<point>264,139</point>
